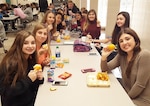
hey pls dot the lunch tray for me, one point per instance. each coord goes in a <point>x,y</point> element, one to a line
<point>92,81</point>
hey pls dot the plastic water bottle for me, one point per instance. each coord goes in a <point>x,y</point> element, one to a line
<point>53,62</point>
<point>57,53</point>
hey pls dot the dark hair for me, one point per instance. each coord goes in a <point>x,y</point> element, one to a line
<point>13,6</point>
<point>117,29</point>
<point>58,13</point>
<point>79,12</point>
<point>85,11</point>
<point>60,9</point>
<point>15,65</point>
<point>27,5</point>
<point>136,49</point>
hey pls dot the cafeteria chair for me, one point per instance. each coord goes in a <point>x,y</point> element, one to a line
<point>2,44</point>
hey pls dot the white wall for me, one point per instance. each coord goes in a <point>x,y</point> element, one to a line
<point>2,1</point>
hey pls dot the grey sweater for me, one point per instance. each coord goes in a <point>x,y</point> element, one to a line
<point>2,31</point>
<point>138,85</point>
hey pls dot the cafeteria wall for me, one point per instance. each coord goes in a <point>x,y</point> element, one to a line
<point>2,1</point>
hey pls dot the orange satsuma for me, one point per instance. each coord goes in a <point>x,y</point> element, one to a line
<point>111,47</point>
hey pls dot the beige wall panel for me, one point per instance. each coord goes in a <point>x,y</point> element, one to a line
<point>77,2</point>
<point>112,11</point>
<point>94,5</point>
<point>83,3</point>
<point>2,1</point>
<point>140,20</point>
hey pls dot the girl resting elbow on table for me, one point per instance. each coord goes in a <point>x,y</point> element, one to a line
<point>134,64</point>
<point>18,81</point>
<point>43,44</point>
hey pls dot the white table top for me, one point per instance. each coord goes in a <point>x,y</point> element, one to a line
<point>77,93</point>
<point>11,17</point>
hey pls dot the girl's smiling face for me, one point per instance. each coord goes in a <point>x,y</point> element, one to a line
<point>127,43</point>
<point>29,46</point>
<point>50,18</point>
<point>41,35</point>
<point>91,16</point>
<point>120,20</point>
<point>58,19</point>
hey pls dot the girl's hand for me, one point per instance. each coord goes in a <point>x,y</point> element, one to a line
<point>46,61</point>
<point>42,51</point>
<point>40,75</point>
<point>63,23</point>
<point>49,27</point>
<point>105,53</point>
<point>56,34</point>
<point>89,36</point>
<point>32,75</point>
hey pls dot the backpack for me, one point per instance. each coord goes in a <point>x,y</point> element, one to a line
<point>80,46</point>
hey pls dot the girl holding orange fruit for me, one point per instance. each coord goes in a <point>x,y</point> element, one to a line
<point>43,44</point>
<point>134,64</point>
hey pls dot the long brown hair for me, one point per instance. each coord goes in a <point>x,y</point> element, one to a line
<point>87,22</point>
<point>136,49</point>
<point>14,65</point>
<point>42,26</point>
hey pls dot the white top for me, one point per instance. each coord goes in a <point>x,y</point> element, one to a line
<point>77,93</point>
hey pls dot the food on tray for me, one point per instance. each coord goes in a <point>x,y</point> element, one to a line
<point>102,76</point>
<point>111,47</point>
<point>37,67</point>
<point>58,40</point>
<point>65,75</point>
<point>99,79</point>
<point>66,37</point>
<point>45,46</point>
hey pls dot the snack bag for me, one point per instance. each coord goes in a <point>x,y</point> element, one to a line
<point>65,75</point>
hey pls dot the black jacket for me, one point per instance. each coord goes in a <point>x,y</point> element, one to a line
<point>22,94</point>
<point>43,4</point>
